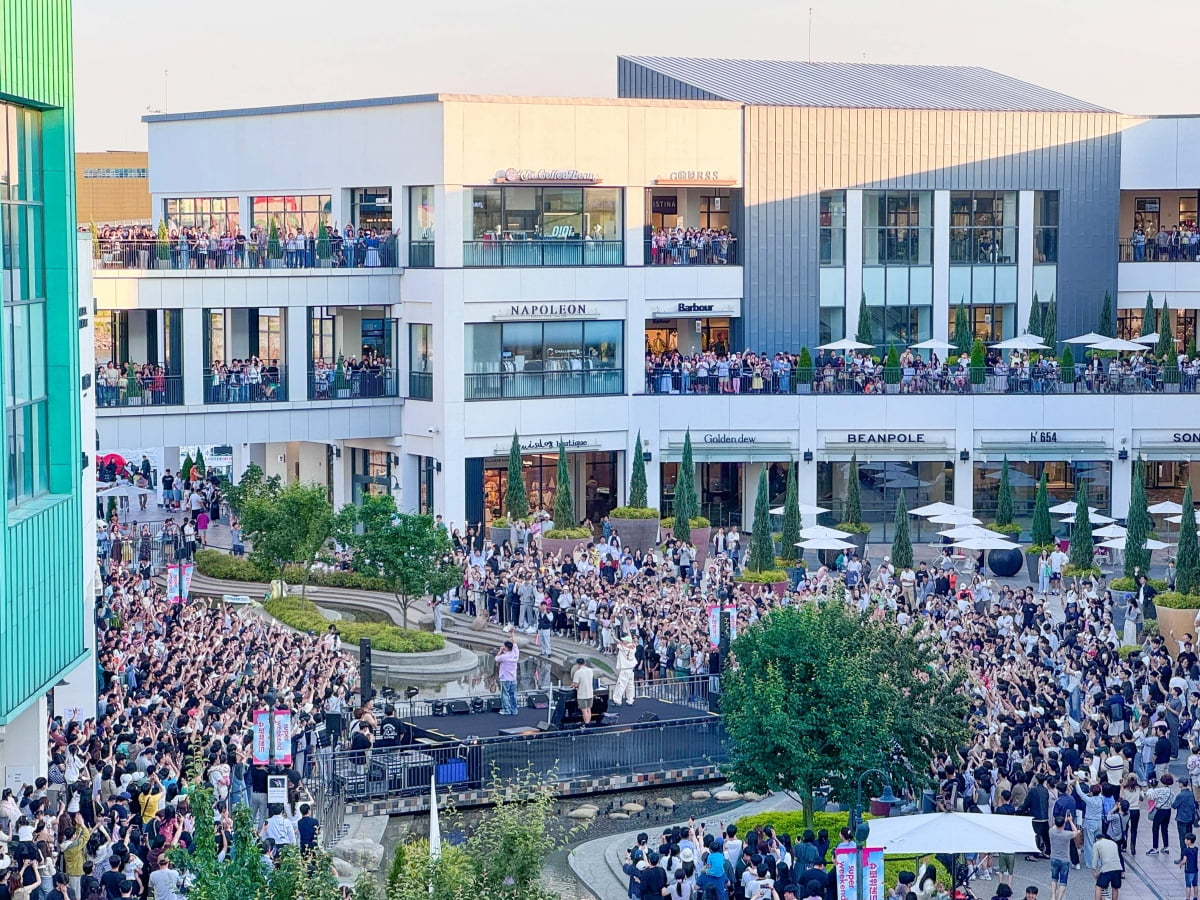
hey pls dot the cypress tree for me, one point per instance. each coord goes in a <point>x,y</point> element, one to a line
<point>200,467</point>
<point>516,501</point>
<point>1050,324</point>
<point>188,462</point>
<point>962,330</point>
<point>1137,522</point>
<point>978,362</point>
<point>637,482</point>
<point>1108,324</point>
<point>1042,532</point>
<point>1004,504</point>
<point>1083,550</point>
<point>853,514</point>
<point>1165,347</point>
<point>790,533</point>
<point>686,505</point>
<point>864,334</point>
<point>1187,565</point>
<point>762,547</point>
<point>1149,319</point>
<point>1034,325</point>
<point>1191,347</point>
<point>564,503</point>
<point>902,550</point>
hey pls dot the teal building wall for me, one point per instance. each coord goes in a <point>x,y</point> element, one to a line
<point>41,546</point>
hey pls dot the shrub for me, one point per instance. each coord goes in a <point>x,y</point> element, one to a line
<point>1010,528</point>
<point>1130,650</point>
<point>694,521</point>
<point>1176,600</point>
<point>568,534</point>
<point>633,512</point>
<point>215,564</point>
<point>1126,584</point>
<point>766,576</point>
<point>303,615</point>
<point>853,527</point>
<point>1081,572</point>
<point>978,361</point>
<point>804,367</point>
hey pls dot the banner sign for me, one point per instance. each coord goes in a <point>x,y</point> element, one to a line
<point>283,737</point>
<point>179,581</point>
<point>846,872</point>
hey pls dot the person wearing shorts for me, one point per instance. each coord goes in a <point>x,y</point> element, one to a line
<point>583,679</point>
<point>1061,839</point>
<point>1106,866</point>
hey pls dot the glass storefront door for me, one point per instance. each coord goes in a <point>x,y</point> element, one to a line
<point>719,487</point>
<point>597,472</point>
<point>880,482</point>
<point>1062,477</point>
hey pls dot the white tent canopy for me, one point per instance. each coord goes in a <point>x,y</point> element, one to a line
<point>1151,338</point>
<point>1110,531</point>
<point>1094,517</point>
<point>962,532</point>
<point>1021,342</point>
<point>845,344</point>
<point>825,544</point>
<point>1090,338</point>
<point>986,543</point>
<point>1167,506</point>
<point>933,344</point>
<point>806,509</point>
<point>952,832</point>
<point>939,508</point>
<point>1117,344</point>
<point>955,518</point>
<point>1067,507</point>
<point>822,531</point>
<point>1119,544</point>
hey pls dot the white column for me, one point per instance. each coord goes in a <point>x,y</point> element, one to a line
<point>241,459</point>
<point>1025,260</point>
<point>449,226</point>
<point>340,476</point>
<point>854,260</point>
<point>635,226</point>
<point>23,745</point>
<point>806,483</point>
<point>193,358</point>
<point>941,265</point>
<point>296,352</point>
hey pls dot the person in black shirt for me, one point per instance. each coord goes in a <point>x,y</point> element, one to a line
<point>654,879</point>
<point>113,880</point>
<point>392,731</point>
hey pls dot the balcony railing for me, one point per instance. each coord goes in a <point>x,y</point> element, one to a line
<point>420,254</point>
<point>329,384</point>
<point>155,390</point>
<point>544,252</point>
<point>420,385</point>
<point>515,385</point>
<point>226,387</point>
<point>952,381</point>
<point>168,256</point>
<point>689,253</point>
<point>1152,251</point>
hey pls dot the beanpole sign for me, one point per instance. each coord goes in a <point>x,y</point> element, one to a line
<point>884,437</point>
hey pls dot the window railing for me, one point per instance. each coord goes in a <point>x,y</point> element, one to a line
<point>330,384</point>
<point>153,390</point>
<point>420,385</point>
<point>227,387</point>
<point>543,252</point>
<point>690,253</point>
<point>515,385</point>
<point>165,256</point>
<point>420,254</point>
<point>953,380</point>
<point>1152,251</point>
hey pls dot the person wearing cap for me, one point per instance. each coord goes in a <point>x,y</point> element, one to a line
<point>583,679</point>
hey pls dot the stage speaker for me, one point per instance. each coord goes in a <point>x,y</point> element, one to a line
<point>438,707</point>
<point>648,717</point>
<point>493,704</point>
<point>364,669</point>
<point>610,718</point>
<point>539,700</point>
<point>547,726</point>
<point>458,707</point>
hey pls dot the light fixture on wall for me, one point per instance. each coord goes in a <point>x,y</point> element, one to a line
<point>647,456</point>
<point>337,452</point>
<point>808,456</point>
<point>1122,454</point>
<point>964,455</point>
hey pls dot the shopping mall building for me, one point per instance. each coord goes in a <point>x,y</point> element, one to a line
<point>514,282</point>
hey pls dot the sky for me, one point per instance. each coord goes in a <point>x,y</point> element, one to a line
<point>226,54</point>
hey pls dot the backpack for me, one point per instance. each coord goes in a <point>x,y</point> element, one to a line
<point>1114,827</point>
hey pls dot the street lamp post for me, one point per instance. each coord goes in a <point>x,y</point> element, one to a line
<point>860,828</point>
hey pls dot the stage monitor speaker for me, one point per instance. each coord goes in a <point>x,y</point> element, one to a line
<point>547,726</point>
<point>364,669</point>
<point>438,707</point>
<point>539,700</point>
<point>648,717</point>
<point>458,707</point>
<point>714,701</point>
<point>493,704</point>
<point>610,718</point>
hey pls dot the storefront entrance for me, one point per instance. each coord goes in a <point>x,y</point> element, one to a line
<point>668,335</point>
<point>879,485</point>
<point>719,487</point>
<point>593,483</point>
<point>1062,479</point>
<point>1166,479</point>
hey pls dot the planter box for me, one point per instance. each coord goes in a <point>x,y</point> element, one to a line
<point>636,534</point>
<point>499,535</point>
<point>1031,566</point>
<point>561,545</point>
<point>700,540</point>
<point>1178,620</point>
<point>779,588</point>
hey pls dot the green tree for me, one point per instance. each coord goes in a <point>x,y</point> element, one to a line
<point>516,501</point>
<point>1191,347</point>
<point>188,462</point>
<point>162,244</point>
<point>864,335</point>
<point>201,469</point>
<point>978,362</point>
<point>1004,501</point>
<point>564,503</point>
<point>790,532</point>
<point>1137,522</point>
<point>414,876</point>
<point>1149,317</point>
<point>804,367</point>
<point>1165,347</point>
<point>253,483</point>
<point>1034,325</point>
<point>1083,550</point>
<point>324,246</point>
<point>762,546</point>
<point>1066,365</point>
<point>1042,532</point>
<point>110,508</point>
<point>902,549</point>
<point>1187,565</point>
<point>853,514</point>
<point>686,505</point>
<point>291,527</point>
<point>1050,324</point>
<point>239,874</point>
<point>637,482</point>
<point>962,330</point>
<point>1108,324</point>
<point>891,366</point>
<point>816,686</point>
<point>408,552</point>
<point>274,250</point>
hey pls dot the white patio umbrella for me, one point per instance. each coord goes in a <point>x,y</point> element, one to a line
<point>1090,338</point>
<point>822,531</point>
<point>1021,342</point>
<point>937,509</point>
<point>1067,506</point>
<point>806,509</point>
<point>824,544</point>
<point>1094,517</point>
<point>845,344</point>
<point>1151,338</point>
<point>125,490</point>
<point>986,543</point>
<point>952,832</point>
<point>906,482</point>
<point>1118,543</point>
<point>1167,506</point>
<point>961,532</point>
<point>955,518</point>
<point>1116,344</point>
<point>933,344</point>
<point>1110,531</point>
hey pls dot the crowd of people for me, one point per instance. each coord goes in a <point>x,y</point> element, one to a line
<point>370,376</point>
<point>1179,243</point>
<point>134,384</point>
<point>141,247</point>
<point>250,380</point>
<point>691,246</point>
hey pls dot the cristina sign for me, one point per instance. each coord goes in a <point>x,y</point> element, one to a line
<point>570,176</point>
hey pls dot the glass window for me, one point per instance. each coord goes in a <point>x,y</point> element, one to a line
<point>602,344</point>
<point>1045,227</point>
<point>422,220</point>
<point>371,208</point>
<point>303,212</point>
<point>602,213</point>
<point>573,225</point>
<point>833,228</point>
<point>897,228</point>
<point>1187,210</point>
<point>531,359</point>
<point>833,324</point>
<point>420,347</point>
<point>483,218</point>
<point>211,214</point>
<point>983,227</point>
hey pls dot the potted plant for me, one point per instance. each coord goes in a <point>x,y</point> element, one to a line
<point>324,247</point>
<point>1005,563</point>
<point>852,520</point>
<point>566,533</point>
<point>1176,611</point>
<point>1066,367</point>
<point>133,388</point>
<point>762,546</point>
<point>891,370</point>
<point>341,384</point>
<point>637,522</point>
<point>516,501</point>
<point>804,372</point>
<point>978,362</point>
<point>1042,532</point>
<point>162,243</point>
<point>274,250</point>
<point>687,524</point>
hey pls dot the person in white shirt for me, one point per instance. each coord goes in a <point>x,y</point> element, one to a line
<point>279,828</point>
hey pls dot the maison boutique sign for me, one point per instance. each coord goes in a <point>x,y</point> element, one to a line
<point>561,176</point>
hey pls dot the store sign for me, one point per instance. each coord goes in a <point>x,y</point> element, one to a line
<point>667,206</point>
<point>695,176</point>
<point>730,439</point>
<point>1185,437</point>
<point>550,445</point>
<point>542,310</point>
<point>885,437</point>
<point>560,176</point>
<point>675,309</point>
<point>1043,437</point>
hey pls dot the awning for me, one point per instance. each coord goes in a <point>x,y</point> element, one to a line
<point>926,451</point>
<point>1050,452</point>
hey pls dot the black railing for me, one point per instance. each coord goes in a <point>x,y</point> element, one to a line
<point>543,252</point>
<point>691,253</point>
<point>1150,250</point>
<point>420,385</point>
<point>330,384</point>
<point>151,255</point>
<point>420,254</point>
<point>513,385</point>
<point>152,390</point>
<point>227,387</point>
